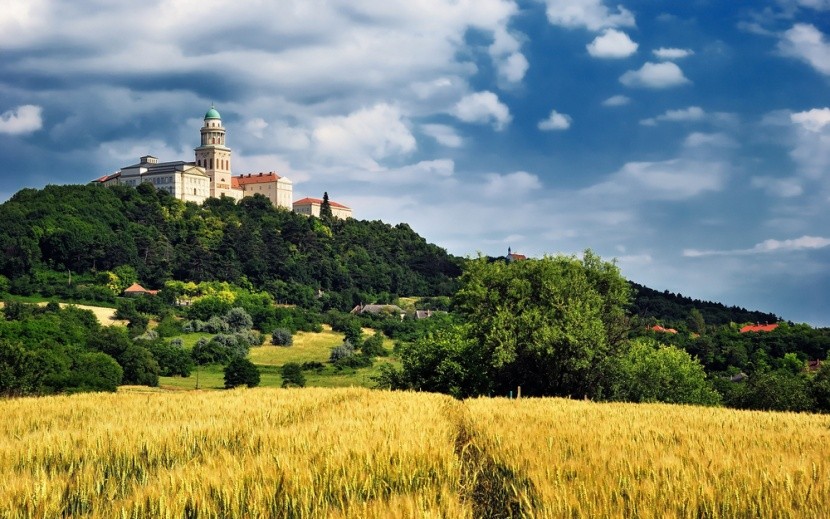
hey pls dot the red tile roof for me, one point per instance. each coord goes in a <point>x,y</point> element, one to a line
<point>254,178</point>
<point>658,328</point>
<point>317,201</point>
<point>517,257</point>
<point>108,177</point>
<point>135,288</point>
<point>759,328</point>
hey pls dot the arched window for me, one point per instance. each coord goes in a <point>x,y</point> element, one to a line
<point>211,163</point>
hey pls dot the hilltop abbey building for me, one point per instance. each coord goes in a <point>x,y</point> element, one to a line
<point>210,174</point>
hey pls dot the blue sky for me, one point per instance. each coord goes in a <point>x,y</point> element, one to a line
<point>688,140</point>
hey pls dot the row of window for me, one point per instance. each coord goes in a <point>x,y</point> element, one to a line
<point>208,163</point>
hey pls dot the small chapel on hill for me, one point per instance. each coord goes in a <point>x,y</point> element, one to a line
<point>209,175</point>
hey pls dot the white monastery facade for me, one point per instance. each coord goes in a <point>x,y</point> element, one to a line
<point>210,175</point>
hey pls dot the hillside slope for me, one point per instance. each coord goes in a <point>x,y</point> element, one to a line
<point>87,229</point>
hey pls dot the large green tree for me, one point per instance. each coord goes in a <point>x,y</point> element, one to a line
<point>547,324</point>
<point>652,372</point>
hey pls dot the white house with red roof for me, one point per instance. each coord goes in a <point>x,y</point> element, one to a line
<point>137,290</point>
<point>277,189</point>
<point>311,207</point>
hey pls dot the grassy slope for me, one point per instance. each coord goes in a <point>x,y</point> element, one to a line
<point>308,347</point>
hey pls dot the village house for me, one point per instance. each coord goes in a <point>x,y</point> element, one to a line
<point>311,207</point>
<point>137,290</point>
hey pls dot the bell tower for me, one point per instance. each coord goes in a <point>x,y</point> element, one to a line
<point>213,155</point>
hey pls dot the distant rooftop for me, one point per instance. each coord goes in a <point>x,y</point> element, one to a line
<point>759,328</point>
<point>317,201</point>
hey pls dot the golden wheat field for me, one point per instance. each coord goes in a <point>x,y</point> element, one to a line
<point>362,453</point>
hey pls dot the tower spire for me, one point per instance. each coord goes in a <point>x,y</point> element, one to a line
<point>213,155</point>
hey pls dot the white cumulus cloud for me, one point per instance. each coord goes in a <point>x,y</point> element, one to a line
<point>511,184</point>
<point>805,42</point>
<point>588,14</point>
<point>818,5</point>
<point>717,139</point>
<point>504,51</point>
<point>376,132</point>
<point>672,53</point>
<point>617,100</point>
<point>23,119</point>
<point>811,150</point>
<point>676,179</point>
<point>655,75</point>
<point>812,120</point>
<point>555,121</point>
<point>612,44</point>
<point>783,188</point>
<point>444,134</point>
<point>483,107</point>
<point>766,246</point>
<point>692,113</point>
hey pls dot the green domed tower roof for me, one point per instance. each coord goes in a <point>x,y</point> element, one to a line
<point>212,114</point>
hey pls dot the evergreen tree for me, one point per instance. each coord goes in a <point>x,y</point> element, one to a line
<point>325,208</point>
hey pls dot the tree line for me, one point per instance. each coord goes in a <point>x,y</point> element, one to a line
<point>564,326</point>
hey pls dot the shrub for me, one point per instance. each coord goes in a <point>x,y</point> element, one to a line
<point>352,331</point>
<point>209,306</point>
<point>172,359</point>
<point>820,387</point>
<point>313,365</point>
<point>354,361</point>
<point>169,326</point>
<point>292,375</point>
<point>216,325</point>
<point>193,326</point>
<point>373,346</point>
<point>207,351</point>
<point>252,337</point>
<point>282,337</point>
<point>94,371</point>
<point>340,352</point>
<point>238,320</point>
<point>237,345</point>
<point>149,335</point>
<point>241,372</point>
<point>139,366</point>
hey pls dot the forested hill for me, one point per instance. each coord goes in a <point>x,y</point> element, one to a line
<point>672,309</point>
<point>89,229</point>
<point>86,229</point>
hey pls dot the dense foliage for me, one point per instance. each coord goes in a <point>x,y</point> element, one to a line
<point>675,309</point>
<point>241,372</point>
<point>48,349</point>
<point>559,326</point>
<point>110,237</point>
<point>546,325</point>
